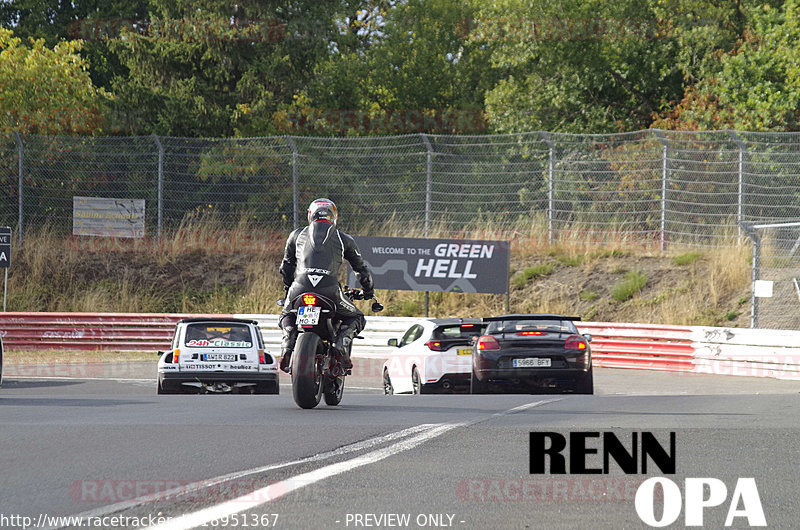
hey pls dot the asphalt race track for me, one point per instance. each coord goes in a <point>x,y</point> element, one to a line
<point>96,441</point>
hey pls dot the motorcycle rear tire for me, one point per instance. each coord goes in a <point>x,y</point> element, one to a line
<point>306,375</point>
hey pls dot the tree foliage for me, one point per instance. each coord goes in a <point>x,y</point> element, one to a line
<point>47,91</point>
<point>360,67</point>
<point>755,86</point>
<point>417,72</point>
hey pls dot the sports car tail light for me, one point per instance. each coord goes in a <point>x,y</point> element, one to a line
<point>434,345</point>
<point>531,333</point>
<point>310,299</point>
<point>176,355</point>
<point>575,342</point>
<point>487,342</point>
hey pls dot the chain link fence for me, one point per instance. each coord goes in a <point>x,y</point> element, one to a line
<point>654,188</point>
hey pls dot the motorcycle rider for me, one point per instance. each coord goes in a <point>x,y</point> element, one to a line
<point>311,262</point>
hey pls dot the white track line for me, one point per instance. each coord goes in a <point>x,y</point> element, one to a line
<point>279,489</point>
<point>199,485</point>
<point>69,378</point>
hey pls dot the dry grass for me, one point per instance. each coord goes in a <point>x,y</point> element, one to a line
<point>206,268</point>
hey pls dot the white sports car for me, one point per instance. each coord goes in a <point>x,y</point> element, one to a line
<point>219,355</point>
<point>434,355</point>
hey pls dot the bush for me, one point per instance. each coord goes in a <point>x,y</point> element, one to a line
<point>528,274</point>
<point>632,284</point>
<point>686,259</point>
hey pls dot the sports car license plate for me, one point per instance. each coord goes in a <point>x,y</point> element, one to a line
<point>308,315</point>
<point>532,362</point>
<point>465,351</point>
<point>219,357</point>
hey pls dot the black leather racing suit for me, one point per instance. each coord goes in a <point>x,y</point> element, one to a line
<point>311,262</point>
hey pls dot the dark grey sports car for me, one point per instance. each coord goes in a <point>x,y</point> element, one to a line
<point>532,353</point>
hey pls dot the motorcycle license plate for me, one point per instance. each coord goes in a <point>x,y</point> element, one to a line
<point>308,315</point>
<point>532,362</point>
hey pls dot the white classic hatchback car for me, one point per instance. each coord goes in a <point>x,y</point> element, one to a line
<point>434,355</point>
<point>219,355</point>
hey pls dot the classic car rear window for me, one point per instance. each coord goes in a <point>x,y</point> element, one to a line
<point>218,336</point>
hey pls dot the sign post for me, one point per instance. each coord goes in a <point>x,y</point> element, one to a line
<point>5,258</point>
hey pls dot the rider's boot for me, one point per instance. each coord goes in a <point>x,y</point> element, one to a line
<point>287,347</point>
<point>344,343</point>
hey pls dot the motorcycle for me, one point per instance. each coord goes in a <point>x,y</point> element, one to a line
<point>316,365</point>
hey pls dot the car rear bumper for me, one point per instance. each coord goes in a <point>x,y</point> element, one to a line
<point>449,383</point>
<point>219,377</point>
<point>528,375</point>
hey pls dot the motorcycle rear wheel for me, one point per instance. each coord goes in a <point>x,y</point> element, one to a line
<point>306,374</point>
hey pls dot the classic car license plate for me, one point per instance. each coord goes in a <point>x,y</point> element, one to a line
<point>532,362</point>
<point>308,315</point>
<point>219,357</point>
<point>465,351</point>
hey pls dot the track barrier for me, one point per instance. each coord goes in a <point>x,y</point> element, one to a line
<point>724,351</point>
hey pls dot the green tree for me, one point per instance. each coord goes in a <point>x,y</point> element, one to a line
<point>47,91</point>
<point>416,71</point>
<point>93,21</point>
<point>577,66</point>
<point>753,86</point>
<point>210,68</point>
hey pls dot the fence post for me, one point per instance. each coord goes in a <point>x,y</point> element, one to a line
<point>428,181</point>
<point>752,233</point>
<point>551,186</point>
<point>160,203</point>
<point>740,193</point>
<point>664,172</point>
<point>295,182</point>
<point>18,137</point>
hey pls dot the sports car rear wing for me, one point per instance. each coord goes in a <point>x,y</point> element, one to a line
<point>538,316</point>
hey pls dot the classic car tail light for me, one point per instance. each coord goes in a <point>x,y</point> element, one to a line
<point>575,342</point>
<point>176,355</point>
<point>261,358</point>
<point>310,299</point>
<point>434,345</point>
<point>487,342</point>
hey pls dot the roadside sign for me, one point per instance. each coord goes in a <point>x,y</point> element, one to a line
<point>437,265</point>
<point>5,247</point>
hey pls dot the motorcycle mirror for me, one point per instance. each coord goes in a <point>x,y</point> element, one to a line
<point>377,307</point>
<point>280,302</point>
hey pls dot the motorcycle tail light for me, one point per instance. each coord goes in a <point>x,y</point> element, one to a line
<point>434,345</point>
<point>575,342</point>
<point>309,299</point>
<point>487,342</point>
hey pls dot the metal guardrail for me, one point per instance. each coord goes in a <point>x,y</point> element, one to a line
<point>724,351</point>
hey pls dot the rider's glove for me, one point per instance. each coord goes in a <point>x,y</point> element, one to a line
<point>368,294</point>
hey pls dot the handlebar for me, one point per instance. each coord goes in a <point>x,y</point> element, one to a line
<point>358,294</point>
<point>352,294</point>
